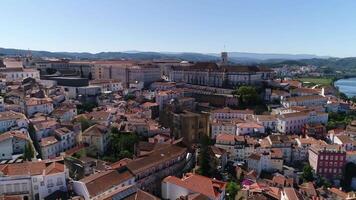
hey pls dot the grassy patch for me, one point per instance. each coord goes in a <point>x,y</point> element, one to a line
<point>321,81</point>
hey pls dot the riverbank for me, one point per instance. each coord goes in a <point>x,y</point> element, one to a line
<point>346,86</point>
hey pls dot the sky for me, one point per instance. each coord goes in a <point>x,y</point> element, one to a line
<point>321,27</point>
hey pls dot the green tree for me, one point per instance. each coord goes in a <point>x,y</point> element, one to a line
<point>232,189</point>
<point>122,144</point>
<point>114,130</point>
<point>204,157</point>
<point>349,172</point>
<point>247,95</point>
<point>307,174</point>
<point>85,123</point>
<point>32,133</point>
<point>29,152</point>
<point>86,107</point>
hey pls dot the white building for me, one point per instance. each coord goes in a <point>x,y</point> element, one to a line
<point>238,148</point>
<point>293,122</point>
<point>249,128</point>
<point>228,113</point>
<point>109,85</point>
<point>11,143</point>
<point>218,127</point>
<point>33,180</point>
<point>66,138</point>
<point>65,113</point>
<point>50,147</point>
<point>13,119</point>
<point>269,161</point>
<point>309,101</point>
<point>18,74</point>
<point>344,141</point>
<point>192,184</point>
<point>269,122</point>
<point>38,105</point>
<point>163,97</point>
<point>44,127</point>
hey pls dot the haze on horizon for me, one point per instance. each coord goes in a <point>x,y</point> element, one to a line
<point>321,27</point>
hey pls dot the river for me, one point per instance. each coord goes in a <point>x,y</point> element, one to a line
<point>347,86</point>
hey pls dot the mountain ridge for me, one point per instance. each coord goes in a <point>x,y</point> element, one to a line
<point>239,57</point>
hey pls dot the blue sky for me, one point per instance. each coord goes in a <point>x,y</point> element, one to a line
<point>321,27</point>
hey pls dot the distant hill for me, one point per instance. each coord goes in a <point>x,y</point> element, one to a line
<point>238,57</point>
<point>112,55</point>
<point>258,57</point>
<point>336,64</point>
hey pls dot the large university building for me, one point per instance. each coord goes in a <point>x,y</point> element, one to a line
<point>212,74</point>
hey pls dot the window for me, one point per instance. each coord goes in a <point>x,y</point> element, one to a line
<point>59,181</point>
<point>17,187</point>
<point>24,187</point>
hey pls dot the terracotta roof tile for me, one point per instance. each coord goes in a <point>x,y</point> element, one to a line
<point>200,184</point>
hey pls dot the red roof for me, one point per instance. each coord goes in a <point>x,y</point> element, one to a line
<point>31,168</point>
<point>200,184</point>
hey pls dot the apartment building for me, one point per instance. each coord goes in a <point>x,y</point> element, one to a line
<point>294,122</point>
<point>309,101</point>
<point>238,148</point>
<point>219,127</point>
<point>11,119</point>
<point>18,74</point>
<point>230,114</point>
<point>327,160</point>
<point>66,138</point>
<point>127,71</point>
<point>44,127</point>
<point>270,161</point>
<point>282,142</point>
<point>249,128</point>
<point>65,112</point>
<point>164,96</point>
<point>12,143</point>
<point>50,147</point>
<point>300,150</point>
<point>269,122</point>
<point>109,85</point>
<point>33,180</point>
<point>38,105</point>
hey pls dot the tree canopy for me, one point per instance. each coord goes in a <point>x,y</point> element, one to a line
<point>247,95</point>
<point>232,189</point>
<point>307,174</point>
<point>29,152</point>
<point>122,145</point>
<point>207,164</point>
